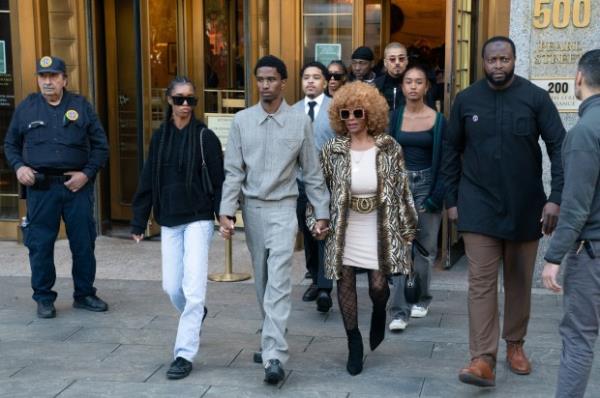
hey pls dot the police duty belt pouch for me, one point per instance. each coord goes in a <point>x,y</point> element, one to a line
<point>207,185</point>
<point>412,287</point>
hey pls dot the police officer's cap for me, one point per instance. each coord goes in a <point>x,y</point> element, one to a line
<point>51,65</point>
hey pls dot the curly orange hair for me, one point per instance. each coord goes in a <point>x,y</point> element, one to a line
<point>359,95</point>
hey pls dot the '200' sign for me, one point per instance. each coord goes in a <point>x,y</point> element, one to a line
<point>561,13</point>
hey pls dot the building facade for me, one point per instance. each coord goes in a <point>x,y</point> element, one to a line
<point>121,54</point>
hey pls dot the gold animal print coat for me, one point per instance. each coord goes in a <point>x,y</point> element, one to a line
<point>396,214</point>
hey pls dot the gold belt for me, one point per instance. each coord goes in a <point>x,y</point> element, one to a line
<point>363,205</point>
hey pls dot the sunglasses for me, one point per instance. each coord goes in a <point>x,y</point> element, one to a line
<point>336,76</point>
<point>179,100</point>
<point>358,113</point>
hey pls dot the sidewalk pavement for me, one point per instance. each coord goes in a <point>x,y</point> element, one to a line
<point>126,351</point>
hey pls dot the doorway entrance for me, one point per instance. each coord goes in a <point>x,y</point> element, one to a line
<point>201,39</point>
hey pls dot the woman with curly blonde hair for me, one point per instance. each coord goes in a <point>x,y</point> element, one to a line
<point>373,218</point>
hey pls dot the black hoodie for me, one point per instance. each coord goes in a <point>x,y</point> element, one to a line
<point>170,183</point>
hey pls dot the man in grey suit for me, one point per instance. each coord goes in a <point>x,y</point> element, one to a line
<point>268,143</point>
<point>315,104</point>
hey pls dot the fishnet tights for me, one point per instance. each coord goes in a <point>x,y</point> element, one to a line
<point>379,292</point>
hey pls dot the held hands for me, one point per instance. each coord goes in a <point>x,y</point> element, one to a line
<point>137,238</point>
<point>25,175</point>
<point>549,218</point>
<point>227,227</point>
<point>320,229</point>
<point>78,179</point>
<point>549,277</point>
<point>453,214</point>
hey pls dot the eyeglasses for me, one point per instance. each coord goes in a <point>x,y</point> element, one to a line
<point>358,113</point>
<point>336,76</point>
<point>179,100</point>
<point>401,58</point>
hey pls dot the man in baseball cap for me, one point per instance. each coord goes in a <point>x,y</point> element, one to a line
<point>51,65</point>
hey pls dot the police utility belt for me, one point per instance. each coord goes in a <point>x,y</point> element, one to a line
<point>44,180</point>
<point>363,205</point>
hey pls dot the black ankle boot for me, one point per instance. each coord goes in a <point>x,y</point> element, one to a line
<point>377,332</point>
<point>355,352</point>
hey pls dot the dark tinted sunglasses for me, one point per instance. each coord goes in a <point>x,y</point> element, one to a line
<point>336,76</point>
<point>358,113</point>
<point>179,100</point>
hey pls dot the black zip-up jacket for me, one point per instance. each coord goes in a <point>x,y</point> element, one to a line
<point>498,186</point>
<point>171,202</point>
<point>580,208</point>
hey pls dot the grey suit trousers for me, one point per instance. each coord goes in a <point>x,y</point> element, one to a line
<point>271,229</point>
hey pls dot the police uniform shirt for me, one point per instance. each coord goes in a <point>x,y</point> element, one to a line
<point>55,139</point>
<point>498,185</point>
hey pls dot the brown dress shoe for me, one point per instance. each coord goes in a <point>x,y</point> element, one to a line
<point>479,373</point>
<point>515,356</point>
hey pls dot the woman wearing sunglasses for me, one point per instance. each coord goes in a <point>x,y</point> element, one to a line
<point>373,218</point>
<point>181,182</point>
<point>337,76</point>
<point>420,130</point>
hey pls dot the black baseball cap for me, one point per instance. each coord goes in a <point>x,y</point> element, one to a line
<point>50,65</point>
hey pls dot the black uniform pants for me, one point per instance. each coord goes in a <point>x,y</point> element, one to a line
<point>314,250</point>
<point>44,211</point>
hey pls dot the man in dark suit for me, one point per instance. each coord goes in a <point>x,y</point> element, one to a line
<point>315,104</point>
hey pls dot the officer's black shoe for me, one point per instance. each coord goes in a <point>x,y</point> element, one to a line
<point>311,293</point>
<point>257,357</point>
<point>274,372</point>
<point>90,303</point>
<point>324,302</point>
<point>179,369</point>
<point>45,309</point>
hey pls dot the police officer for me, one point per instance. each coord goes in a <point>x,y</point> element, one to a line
<point>56,145</point>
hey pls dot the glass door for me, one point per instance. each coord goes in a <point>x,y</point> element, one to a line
<point>224,64</point>
<point>9,197</point>
<point>159,56</point>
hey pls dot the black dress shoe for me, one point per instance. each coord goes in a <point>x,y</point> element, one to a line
<point>90,303</point>
<point>179,369</point>
<point>311,293</point>
<point>45,309</point>
<point>308,275</point>
<point>257,357</point>
<point>274,372</point>
<point>324,302</point>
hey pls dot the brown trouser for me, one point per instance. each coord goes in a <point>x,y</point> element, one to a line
<point>484,254</point>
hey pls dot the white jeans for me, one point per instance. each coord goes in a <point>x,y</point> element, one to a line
<point>185,267</point>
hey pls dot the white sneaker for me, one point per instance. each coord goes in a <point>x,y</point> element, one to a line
<point>398,324</point>
<point>418,311</point>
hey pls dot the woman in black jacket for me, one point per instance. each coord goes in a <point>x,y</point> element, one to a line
<point>181,182</point>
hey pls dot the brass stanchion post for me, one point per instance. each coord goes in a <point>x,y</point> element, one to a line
<point>229,275</point>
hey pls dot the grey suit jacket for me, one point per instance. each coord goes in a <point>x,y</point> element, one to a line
<point>321,127</point>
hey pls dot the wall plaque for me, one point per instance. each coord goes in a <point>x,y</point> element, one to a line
<point>562,31</point>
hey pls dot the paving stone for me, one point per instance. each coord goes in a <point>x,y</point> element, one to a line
<point>370,381</point>
<point>48,353</point>
<point>102,389</point>
<point>122,336</point>
<point>267,391</point>
<point>26,389</point>
<point>36,332</point>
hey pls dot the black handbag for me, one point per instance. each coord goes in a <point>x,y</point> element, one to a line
<point>207,185</point>
<point>412,287</point>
